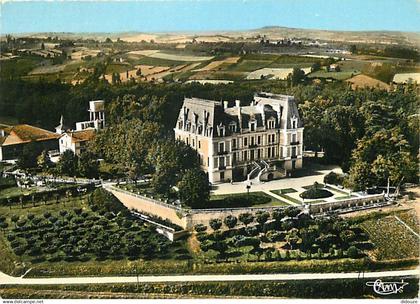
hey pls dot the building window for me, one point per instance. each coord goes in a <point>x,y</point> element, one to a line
<point>233,143</point>
<point>271,124</point>
<point>252,126</point>
<point>252,140</point>
<point>245,141</point>
<point>193,143</point>
<point>268,152</point>
<point>199,144</point>
<point>188,141</point>
<point>221,147</point>
<point>222,175</point>
<point>232,128</point>
<point>259,140</point>
<point>245,155</point>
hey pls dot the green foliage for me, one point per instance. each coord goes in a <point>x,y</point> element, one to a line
<point>315,192</point>
<point>200,228</point>
<point>262,217</point>
<point>87,165</point>
<point>67,165</point>
<point>246,218</point>
<point>333,178</point>
<point>103,200</point>
<point>230,221</point>
<point>194,190</point>
<point>28,157</point>
<point>170,160</point>
<point>215,224</point>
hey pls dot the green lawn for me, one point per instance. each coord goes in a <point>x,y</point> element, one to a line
<point>237,200</point>
<point>15,191</point>
<point>283,193</point>
<point>334,75</point>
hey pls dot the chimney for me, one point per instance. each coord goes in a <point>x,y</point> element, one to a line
<point>237,103</point>
<point>225,104</point>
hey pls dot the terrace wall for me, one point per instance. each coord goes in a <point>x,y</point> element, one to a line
<point>189,218</point>
<point>148,205</point>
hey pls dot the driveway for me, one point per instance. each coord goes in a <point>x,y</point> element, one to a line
<point>296,182</point>
<point>8,280</point>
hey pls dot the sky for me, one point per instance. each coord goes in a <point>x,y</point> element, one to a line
<point>207,15</point>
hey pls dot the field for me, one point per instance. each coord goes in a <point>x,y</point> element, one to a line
<point>333,75</point>
<point>392,239</point>
<point>273,73</point>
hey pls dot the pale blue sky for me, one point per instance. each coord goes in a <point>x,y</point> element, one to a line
<point>207,15</point>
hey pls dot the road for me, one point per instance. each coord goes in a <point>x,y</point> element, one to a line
<point>8,280</point>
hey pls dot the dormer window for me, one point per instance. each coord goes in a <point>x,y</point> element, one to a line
<point>271,124</point>
<point>232,127</point>
<point>294,122</point>
<point>180,124</point>
<point>222,131</point>
<point>252,126</point>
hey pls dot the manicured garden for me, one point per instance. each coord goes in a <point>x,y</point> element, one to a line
<point>280,236</point>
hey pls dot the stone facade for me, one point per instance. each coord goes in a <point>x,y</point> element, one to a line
<point>263,139</point>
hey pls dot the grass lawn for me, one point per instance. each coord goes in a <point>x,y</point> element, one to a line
<point>334,75</point>
<point>237,200</point>
<point>15,191</point>
<point>283,193</point>
<point>336,190</point>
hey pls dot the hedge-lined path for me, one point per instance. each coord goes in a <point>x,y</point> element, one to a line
<point>9,280</point>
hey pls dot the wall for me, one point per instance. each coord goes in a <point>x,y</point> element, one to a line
<point>132,201</point>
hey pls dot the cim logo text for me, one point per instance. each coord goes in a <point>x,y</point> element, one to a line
<point>387,288</point>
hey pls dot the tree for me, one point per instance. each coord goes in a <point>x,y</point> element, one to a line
<point>246,218</point>
<point>230,221</point>
<point>353,252</point>
<point>262,217</point>
<point>215,224</point>
<point>15,219</point>
<point>296,77</point>
<point>200,228</point>
<point>316,66</point>
<point>194,190</point>
<point>87,165</point>
<point>43,160</point>
<point>67,163</point>
<point>170,160</point>
<point>28,157</point>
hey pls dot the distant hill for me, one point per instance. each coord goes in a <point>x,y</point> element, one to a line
<point>271,32</point>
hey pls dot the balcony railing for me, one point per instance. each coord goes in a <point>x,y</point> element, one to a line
<point>294,156</point>
<point>294,142</point>
<point>222,167</point>
<point>222,152</point>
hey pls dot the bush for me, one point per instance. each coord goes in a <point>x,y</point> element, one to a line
<point>200,228</point>
<point>353,252</point>
<point>315,192</point>
<point>333,178</point>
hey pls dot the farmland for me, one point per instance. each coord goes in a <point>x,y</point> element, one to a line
<point>392,239</point>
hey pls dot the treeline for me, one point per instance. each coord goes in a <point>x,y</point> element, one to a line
<point>370,130</point>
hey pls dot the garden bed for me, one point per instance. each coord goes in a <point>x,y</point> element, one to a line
<point>254,199</point>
